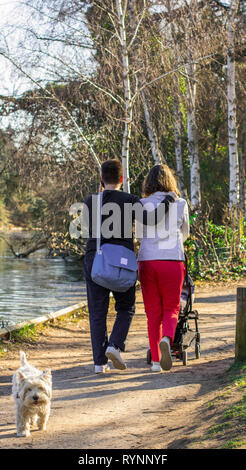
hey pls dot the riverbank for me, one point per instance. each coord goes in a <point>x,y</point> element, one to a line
<point>179,409</point>
<point>12,331</point>
<point>37,285</point>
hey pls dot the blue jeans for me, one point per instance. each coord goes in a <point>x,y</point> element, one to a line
<point>98,303</point>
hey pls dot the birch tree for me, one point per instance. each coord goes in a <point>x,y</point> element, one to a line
<point>195,185</point>
<point>177,113</point>
<point>178,142</point>
<point>150,127</point>
<point>127,93</point>
<point>242,166</point>
<point>232,113</point>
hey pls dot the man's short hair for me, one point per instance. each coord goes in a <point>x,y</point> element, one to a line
<point>112,171</point>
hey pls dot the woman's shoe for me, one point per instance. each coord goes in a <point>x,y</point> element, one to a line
<point>156,367</point>
<point>166,358</point>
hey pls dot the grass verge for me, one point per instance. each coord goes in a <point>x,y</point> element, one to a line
<point>229,408</point>
<point>32,332</point>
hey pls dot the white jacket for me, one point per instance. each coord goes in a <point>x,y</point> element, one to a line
<point>166,240</point>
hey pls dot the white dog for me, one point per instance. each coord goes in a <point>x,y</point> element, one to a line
<point>32,391</point>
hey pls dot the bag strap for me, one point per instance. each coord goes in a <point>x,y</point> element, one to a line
<point>186,269</point>
<point>167,201</point>
<point>99,216</point>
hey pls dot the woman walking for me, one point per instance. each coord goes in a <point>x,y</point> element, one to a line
<point>161,264</point>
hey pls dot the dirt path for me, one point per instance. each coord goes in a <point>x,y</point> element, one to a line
<point>133,409</point>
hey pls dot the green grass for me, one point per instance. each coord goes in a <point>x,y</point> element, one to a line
<point>218,428</point>
<point>237,411</point>
<point>28,333</point>
<point>234,444</point>
<point>231,423</point>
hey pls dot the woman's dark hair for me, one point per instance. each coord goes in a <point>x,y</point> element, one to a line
<point>160,178</point>
<point>111,171</point>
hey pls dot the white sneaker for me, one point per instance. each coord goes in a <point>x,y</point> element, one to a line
<point>156,367</point>
<point>166,358</point>
<point>114,354</point>
<point>102,369</point>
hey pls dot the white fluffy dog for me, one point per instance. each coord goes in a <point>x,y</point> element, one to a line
<point>32,390</point>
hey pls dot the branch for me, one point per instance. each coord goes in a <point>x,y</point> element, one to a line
<point>221,4</point>
<point>86,79</point>
<point>40,244</point>
<point>65,41</point>
<point>137,27</point>
<point>173,71</point>
<point>61,104</point>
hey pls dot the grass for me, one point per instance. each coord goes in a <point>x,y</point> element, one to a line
<point>31,332</point>
<point>230,407</point>
<point>218,429</point>
<point>27,334</point>
<point>234,444</point>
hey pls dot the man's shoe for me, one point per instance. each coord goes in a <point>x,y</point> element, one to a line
<point>166,358</point>
<point>102,369</point>
<point>114,355</point>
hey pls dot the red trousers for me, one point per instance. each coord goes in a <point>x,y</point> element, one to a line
<point>161,283</point>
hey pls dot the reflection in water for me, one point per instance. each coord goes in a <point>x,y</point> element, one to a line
<point>37,285</point>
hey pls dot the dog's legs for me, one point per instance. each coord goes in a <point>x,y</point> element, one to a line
<point>27,429</point>
<point>19,422</point>
<point>43,419</point>
<point>22,423</point>
<point>34,420</point>
<point>23,427</point>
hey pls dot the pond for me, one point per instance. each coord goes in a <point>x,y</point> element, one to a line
<point>37,285</point>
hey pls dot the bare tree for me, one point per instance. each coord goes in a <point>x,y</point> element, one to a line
<point>232,113</point>
<point>131,102</point>
<point>195,185</point>
<point>242,166</point>
<point>177,113</point>
<point>127,93</point>
<point>150,126</point>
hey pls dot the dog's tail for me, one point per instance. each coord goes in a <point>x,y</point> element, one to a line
<point>23,358</point>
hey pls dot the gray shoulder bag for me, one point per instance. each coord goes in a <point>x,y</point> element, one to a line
<point>114,266</point>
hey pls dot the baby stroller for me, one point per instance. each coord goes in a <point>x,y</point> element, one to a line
<point>184,335</point>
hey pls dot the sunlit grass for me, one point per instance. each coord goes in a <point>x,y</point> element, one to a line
<point>231,425</point>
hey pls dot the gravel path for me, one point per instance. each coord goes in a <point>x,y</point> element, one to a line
<point>132,409</point>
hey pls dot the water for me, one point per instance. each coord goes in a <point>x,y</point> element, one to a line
<point>37,285</point>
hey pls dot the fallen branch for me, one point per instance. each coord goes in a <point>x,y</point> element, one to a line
<point>25,254</point>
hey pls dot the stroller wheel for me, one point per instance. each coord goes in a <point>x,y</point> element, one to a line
<point>149,359</point>
<point>197,351</point>
<point>185,358</point>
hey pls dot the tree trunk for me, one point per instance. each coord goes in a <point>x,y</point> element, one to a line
<point>195,187</point>
<point>242,165</point>
<point>127,97</point>
<point>178,142</point>
<point>156,154</point>
<point>150,127</point>
<point>232,118</point>
<point>177,114</point>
